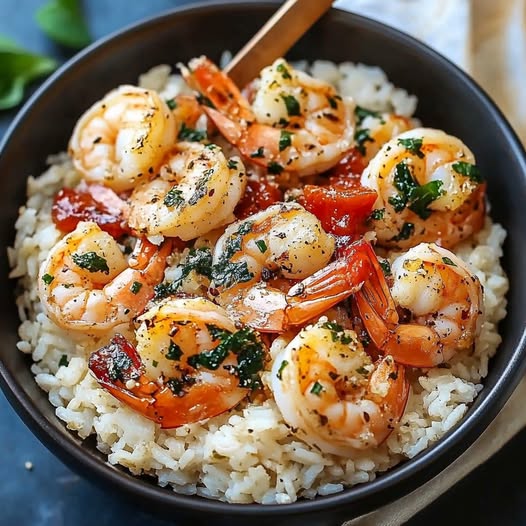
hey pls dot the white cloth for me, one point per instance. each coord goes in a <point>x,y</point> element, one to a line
<point>488,39</point>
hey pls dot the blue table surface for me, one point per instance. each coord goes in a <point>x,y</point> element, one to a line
<point>50,494</point>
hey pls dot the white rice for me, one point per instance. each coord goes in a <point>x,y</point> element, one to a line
<point>248,454</point>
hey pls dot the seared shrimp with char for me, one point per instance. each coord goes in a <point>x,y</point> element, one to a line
<point>195,192</point>
<point>191,363</point>
<point>332,394</point>
<point>429,190</point>
<point>87,284</point>
<point>295,123</point>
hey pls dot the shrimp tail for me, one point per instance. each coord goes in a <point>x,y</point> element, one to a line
<point>411,344</point>
<point>330,285</point>
<point>391,376</point>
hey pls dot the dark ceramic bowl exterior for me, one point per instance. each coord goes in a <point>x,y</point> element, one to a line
<point>448,99</point>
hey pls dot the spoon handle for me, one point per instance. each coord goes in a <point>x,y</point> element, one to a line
<point>275,38</point>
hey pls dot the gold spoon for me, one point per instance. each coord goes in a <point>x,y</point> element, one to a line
<point>275,38</point>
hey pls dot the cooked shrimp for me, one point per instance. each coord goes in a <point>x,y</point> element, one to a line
<point>296,123</point>
<point>275,305</point>
<point>196,191</point>
<point>86,284</point>
<point>443,296</point>
<point>331,393</point>
<point>191,363</point>
<point>375,129</point>
<point>122,139</point>
<point>429,189</point>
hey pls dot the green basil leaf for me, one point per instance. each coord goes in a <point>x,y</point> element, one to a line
<point>63,22</point>
<point>17,69</point>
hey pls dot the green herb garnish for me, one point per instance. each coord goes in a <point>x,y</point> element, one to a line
<point>174,352</point>
<point>449,261</point>
<point>284,71</point>
<point>190,134</point>
<point>232,165</point>
<point>362,113</point>
<point>292,105</point>
<point>337,332</point>
<point>317,388</point>
<point>136,287</point>
<point>91,261</point>
<point>262,246</point>
<point>174,197</point>
<point>64,22</point>
<point>284,140</point>
<point>413,145</point>
<point>386,267</point>
<point>171,104</point>
<point>63,362</point>
<point>422,196</point>
<point>377,214</point>
<point>406,232</point>
<point>260,152</point>
<point>47,278</point>
<point>274,168</point>
<point>361,137</point>
<point>468,170</point>
<point>284,364</point>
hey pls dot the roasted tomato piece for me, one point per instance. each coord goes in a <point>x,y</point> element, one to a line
<point>259,195</point>
<point>342,211</point>
<point>348,171</point>
<point>91,202</point>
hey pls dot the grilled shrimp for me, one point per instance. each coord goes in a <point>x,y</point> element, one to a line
<point>196,191</point>
<point>443,296</point>
<point>332,394</point>
<point>86,283</point>
<point>123,138</point>
<point>296,123</point>
<point>191,363</point>
<point>429,189</point>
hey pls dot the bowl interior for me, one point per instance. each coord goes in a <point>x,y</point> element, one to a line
<point>447,100</point>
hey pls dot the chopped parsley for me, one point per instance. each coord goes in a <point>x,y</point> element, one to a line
<point>232,165</point>
<point>155,363</point>
<point>174,352</point>
<point>281,68</point>
<point>292,105</point>
<point>227,273</point>
<point>260,152</point>
<point>377,214</point>
<point>386,267</point>
<point>317,388</point>
<point>406,232</point>
<point>171,104</point>
<point>91,261</point>
<point>468,170</point>
<point>198,260</point>
<point>361,137</point>
<point>448,261</point>
<point>47,278</point>
<point>175,385</point>
<point>174,197</point>
<point>119,363</point>
<point>136,287</point>
<point>284,364</point>
<point>417,197</point>
<point>201,188</point>
<point>284,140</point>
<point>205,101</point>
<point>337,332</point>
<point>274,168</point>
<point>249,350</point>
<point>64,362</point>
<point>413,145</point>
<point>362,113</point>
<point>190,134</point>
<point>333,103</point>
<point>262,246</point>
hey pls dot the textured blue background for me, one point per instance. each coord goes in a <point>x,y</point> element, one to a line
<point>51,495</point>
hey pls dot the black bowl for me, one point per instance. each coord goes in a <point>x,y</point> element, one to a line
<point>448,99</point>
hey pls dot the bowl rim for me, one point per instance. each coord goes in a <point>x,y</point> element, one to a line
<point>390,485</point>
